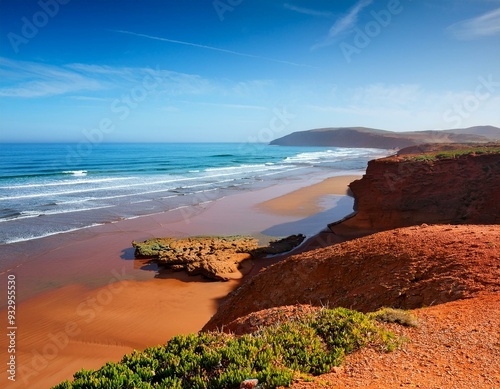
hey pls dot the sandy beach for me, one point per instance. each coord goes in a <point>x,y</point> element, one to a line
<point>83,300</point>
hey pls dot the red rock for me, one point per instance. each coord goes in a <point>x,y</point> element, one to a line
<point>400,191</point>
<point>249,384</point>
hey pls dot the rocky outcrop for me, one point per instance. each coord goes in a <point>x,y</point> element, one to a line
<point>268,317</point>
<point>403,268</point>
<point>382,139</point>
<point>438,187</point>
<point>218,258</point>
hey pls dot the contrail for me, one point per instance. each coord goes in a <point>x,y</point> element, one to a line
<point>343,24</point>
<point>214,48</point>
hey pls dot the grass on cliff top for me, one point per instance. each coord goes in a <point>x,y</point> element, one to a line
<point>312,345</point>
<point>452,154</point>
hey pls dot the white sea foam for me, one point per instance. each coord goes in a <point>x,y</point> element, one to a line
<point>32,214</point>
<point>232,168</point>
<point>145,183</point>
<point>76,173</point>
<point>338,154</point>
<point>44,235</point>
<point>66,182</point>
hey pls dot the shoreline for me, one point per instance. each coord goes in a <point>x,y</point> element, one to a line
<point>84,300</point>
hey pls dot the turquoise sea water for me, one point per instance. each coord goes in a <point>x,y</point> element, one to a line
<point>47,189</point>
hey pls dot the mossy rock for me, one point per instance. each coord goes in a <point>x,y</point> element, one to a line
<point>214,257</point>
<point>152,247</point>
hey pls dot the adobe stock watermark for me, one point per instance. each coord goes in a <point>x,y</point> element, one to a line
<point>121,109</point>
<point>85,313</point>
<point>223,6</point>
<point>198,204</point>
<point>364,36</point>
<point>485,89</point>
<point>30,27</point>
<point>278,123</point>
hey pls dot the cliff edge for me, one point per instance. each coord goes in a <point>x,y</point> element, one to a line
<point>442,185</point>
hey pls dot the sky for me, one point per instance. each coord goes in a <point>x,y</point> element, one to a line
<point>243,70</point>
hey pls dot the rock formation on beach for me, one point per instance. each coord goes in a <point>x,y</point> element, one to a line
<point>382,139</point>
<point>218,258</point>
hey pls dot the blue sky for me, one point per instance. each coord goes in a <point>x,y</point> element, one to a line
<point>243,70</point>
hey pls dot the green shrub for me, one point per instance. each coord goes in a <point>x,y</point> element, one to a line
<point>391,315</point>
<point>452,154</point>
<point>312,344</point>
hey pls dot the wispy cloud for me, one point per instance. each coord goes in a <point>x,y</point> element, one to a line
<point>481,26</point>
<point>404,107</point>
<point>30,79</point>
<point>236,106</point>
<point>92,83</point>
<point>214,48</point>
<point>308,11</point>
<point>175,82</point>
<point>343,24</point>
<point>252,88</point>
<point>89,98</point>
<point>25,79</point>
<point>386,95</point>
<point>377,100</point>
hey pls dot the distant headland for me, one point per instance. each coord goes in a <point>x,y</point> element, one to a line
<point>383,139</point>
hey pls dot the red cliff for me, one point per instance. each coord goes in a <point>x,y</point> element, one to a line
<point>444,188</point>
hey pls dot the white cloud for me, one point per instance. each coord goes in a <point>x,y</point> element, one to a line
<point>88,98</point>
<point>30,79</point>
<point>308,11</point>
<point>481,26</point>
<point>387,95</point>
<point>409,107</point>
<point>252,88</point>
<point>236,106</point>
<point>376,103</point>
<point>343,24</point>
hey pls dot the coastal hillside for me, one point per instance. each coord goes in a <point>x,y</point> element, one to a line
<point>490,132</point>
<point>382,139</point>
<point>403,268</point>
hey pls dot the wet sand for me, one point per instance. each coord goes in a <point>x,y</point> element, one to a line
<point>304,201</point>
<point>82,300</point>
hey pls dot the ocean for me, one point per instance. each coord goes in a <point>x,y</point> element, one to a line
<point>47,189</point>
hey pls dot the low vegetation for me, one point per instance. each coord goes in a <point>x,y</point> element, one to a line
<point>451,154</point>
<point>392,315</point>
<point>308,345</point>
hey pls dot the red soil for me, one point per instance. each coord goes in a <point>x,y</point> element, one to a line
<point>451,271</point>
<point>455,345</point>
<point>403,268</point>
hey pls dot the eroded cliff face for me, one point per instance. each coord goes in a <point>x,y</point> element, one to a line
<point>405,190</point>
